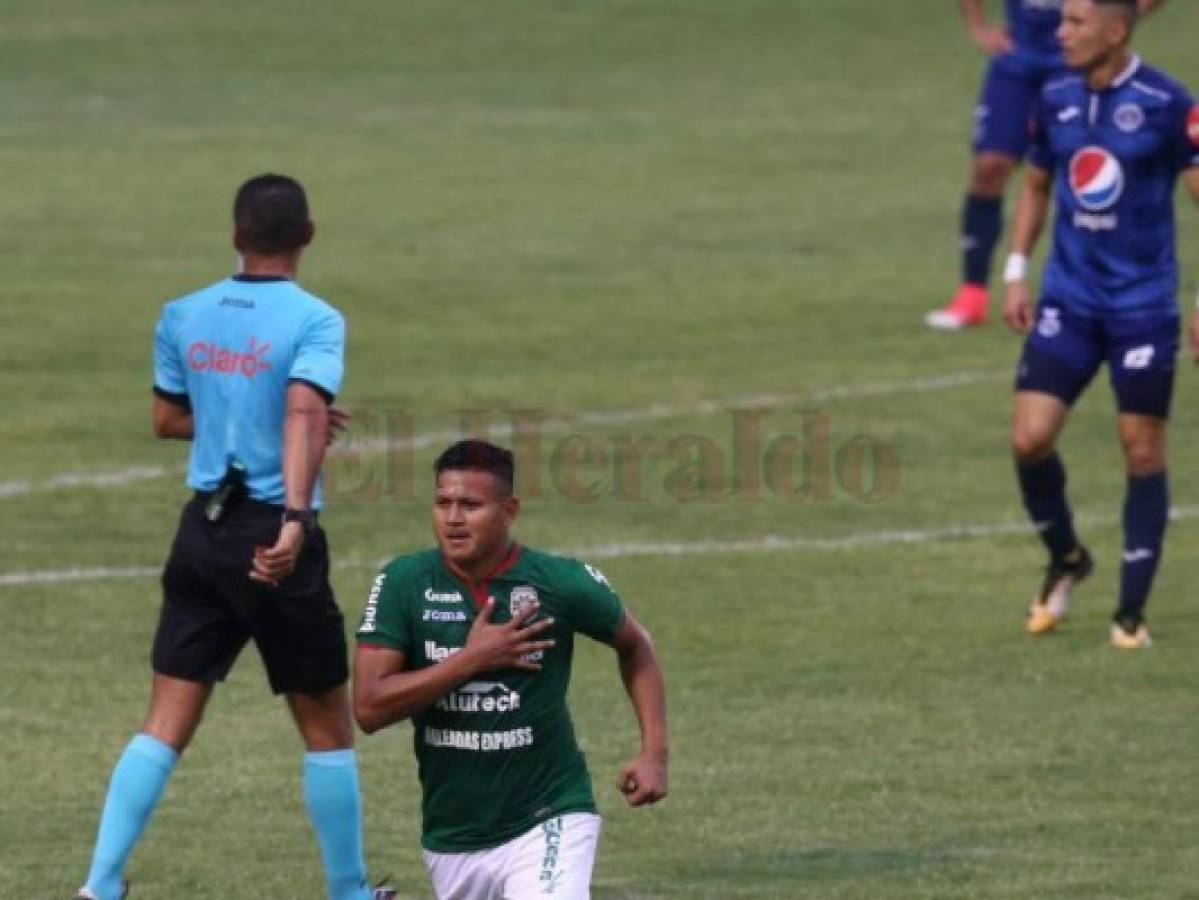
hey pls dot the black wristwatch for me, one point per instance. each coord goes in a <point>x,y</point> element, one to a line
<point>306,517</point>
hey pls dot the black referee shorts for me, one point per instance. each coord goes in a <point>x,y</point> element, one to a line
<point>210,607</point>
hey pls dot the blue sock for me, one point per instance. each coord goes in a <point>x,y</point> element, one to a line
<point>335,809</point>
<point>137,782</point>
<point>1146,509</point>
<point>1043,485</point>
<point>982,222</point>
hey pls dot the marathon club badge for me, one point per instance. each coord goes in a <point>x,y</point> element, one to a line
<point>523,598</point>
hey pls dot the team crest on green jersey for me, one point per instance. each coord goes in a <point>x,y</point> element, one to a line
<point>523,597</point>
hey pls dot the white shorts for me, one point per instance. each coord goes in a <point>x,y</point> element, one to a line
<point>552,860</point>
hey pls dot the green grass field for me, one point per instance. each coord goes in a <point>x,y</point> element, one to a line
<point>634,218</point>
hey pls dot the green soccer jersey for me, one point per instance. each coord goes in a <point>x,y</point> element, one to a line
<point>498,755</point>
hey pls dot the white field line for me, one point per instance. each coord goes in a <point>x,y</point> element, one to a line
<point>131,474</point>
<point>52,576</point>
<point>767,544</point>
<point>112,478</point>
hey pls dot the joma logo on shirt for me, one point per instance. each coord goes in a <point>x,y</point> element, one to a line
<point>443,615</point>
<point>207,356</point>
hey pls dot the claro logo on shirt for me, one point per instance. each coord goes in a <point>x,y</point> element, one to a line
<point>207,356</point>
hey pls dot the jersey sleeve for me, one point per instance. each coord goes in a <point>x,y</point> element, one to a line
<point>595,608</point>
<point>320,358</point>
<point>385,620</point>
<point>1040,153</point>
<point>1185,139</point>
<point>169,377</point>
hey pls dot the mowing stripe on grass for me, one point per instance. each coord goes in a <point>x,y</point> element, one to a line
<point>766,544</point>
<point>599,418</point>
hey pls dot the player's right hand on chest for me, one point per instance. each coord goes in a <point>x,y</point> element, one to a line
<point>507,645</point>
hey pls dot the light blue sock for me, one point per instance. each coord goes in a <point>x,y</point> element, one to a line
<point>335,809</point>
<point>133,791</point>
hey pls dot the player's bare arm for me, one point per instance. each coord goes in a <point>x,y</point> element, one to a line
<point>384,693</point>
<point>643,779</point>
<point>172,421</point>
<point>305,436</point>
<point>990,38</point>
<point>1032,209</point>
<point>1190,178</point>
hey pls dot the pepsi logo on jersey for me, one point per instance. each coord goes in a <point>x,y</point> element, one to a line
<point>1096,178</point>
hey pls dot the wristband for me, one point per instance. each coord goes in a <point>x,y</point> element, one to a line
<point>1016,268</point>
<point>306,518</point>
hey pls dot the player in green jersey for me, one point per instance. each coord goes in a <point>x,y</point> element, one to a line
<point>473,641</point>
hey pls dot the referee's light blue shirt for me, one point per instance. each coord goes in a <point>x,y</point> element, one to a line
<point>230,350</point>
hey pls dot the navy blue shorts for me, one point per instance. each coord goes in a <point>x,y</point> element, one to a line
<point>1003,117</point>
<point>1065,349</point>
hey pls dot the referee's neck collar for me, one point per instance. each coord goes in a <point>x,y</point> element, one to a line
<point>258,279</point>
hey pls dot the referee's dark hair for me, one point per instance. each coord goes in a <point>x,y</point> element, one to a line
<point>479,456</point>
<point>270,216</point>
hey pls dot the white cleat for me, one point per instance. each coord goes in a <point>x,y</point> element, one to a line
<point>944,320</point>
<point>1123,639</point>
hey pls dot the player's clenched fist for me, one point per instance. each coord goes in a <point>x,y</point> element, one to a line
<point>643,780</point>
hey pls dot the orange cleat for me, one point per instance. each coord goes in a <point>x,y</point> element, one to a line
<point>1053,600</point>
<point>969,306</point>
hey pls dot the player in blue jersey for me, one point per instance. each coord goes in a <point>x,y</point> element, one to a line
<point>246,370</point>
<point>1024,56</point>
<point>1110,143</point>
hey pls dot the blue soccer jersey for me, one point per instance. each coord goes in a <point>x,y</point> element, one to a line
<point>1115,156</point>
<point>234,346</point>
<point>1014,79</point>
<point>1033,25</point>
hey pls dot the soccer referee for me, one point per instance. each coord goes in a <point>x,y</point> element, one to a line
<point>246,369</point>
